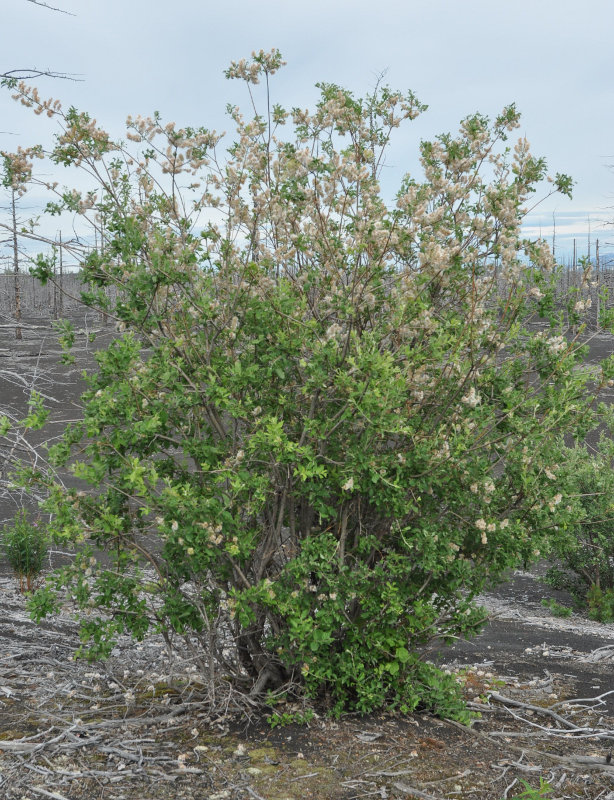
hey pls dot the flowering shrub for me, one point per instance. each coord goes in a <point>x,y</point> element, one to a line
<point>25,546</point>
<point>323,428</point>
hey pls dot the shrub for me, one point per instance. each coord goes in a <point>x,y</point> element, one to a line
<point>584,543</point>
<point>323,428</point>
<point>568,581</point>
<point>600,603</point>
<point>25,546</point>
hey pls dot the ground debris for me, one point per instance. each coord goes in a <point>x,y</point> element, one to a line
<point>138,728</point>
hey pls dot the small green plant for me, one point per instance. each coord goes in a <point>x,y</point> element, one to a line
<point>530,793</point>
<point>280,720</point>
<point>556,609</point>
<point>25,546</point>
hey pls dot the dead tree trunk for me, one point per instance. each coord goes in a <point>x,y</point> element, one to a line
<point>598,282</point>
<point>18,334</point>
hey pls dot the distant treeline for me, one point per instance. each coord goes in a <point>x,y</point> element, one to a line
<point>62,299</point>
<point>52,301</point>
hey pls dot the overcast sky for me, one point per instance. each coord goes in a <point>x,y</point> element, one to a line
<point>553,58</point>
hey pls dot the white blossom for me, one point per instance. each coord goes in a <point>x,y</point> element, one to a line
<point>472,398</point>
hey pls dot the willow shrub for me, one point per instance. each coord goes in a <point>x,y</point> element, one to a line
<point>584,546</point>
<point>323,428</point>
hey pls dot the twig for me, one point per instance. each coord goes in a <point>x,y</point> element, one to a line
<point>598,699</point>
<point>54,795</point>
<point>29,74</point>
<point>253,793</point>
<point>403,787</point>
<point>51,8</point>
<point>449,778</point>
<point>302,777</point>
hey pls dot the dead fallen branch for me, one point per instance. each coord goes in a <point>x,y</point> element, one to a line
<point>568,728</point>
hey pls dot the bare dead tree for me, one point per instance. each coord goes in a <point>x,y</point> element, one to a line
<point>18,334</point>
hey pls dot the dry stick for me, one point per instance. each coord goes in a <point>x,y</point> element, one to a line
<point>587,761</point>
<point>572,729</point>
<point>390,773</point>
<point>578,733</point>
<point>302,777</point>
<point>54,795</point>
<point>402,787</point>
<point>525,767</point>
<point>253,793</point>
<point>507,701</point>
<point>21,746</point>
<point>449,778</point>
<point>597,699</point>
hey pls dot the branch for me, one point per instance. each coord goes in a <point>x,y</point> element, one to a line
<point>51,8</point>
<point>405,789</point>
<point>29,74</point>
